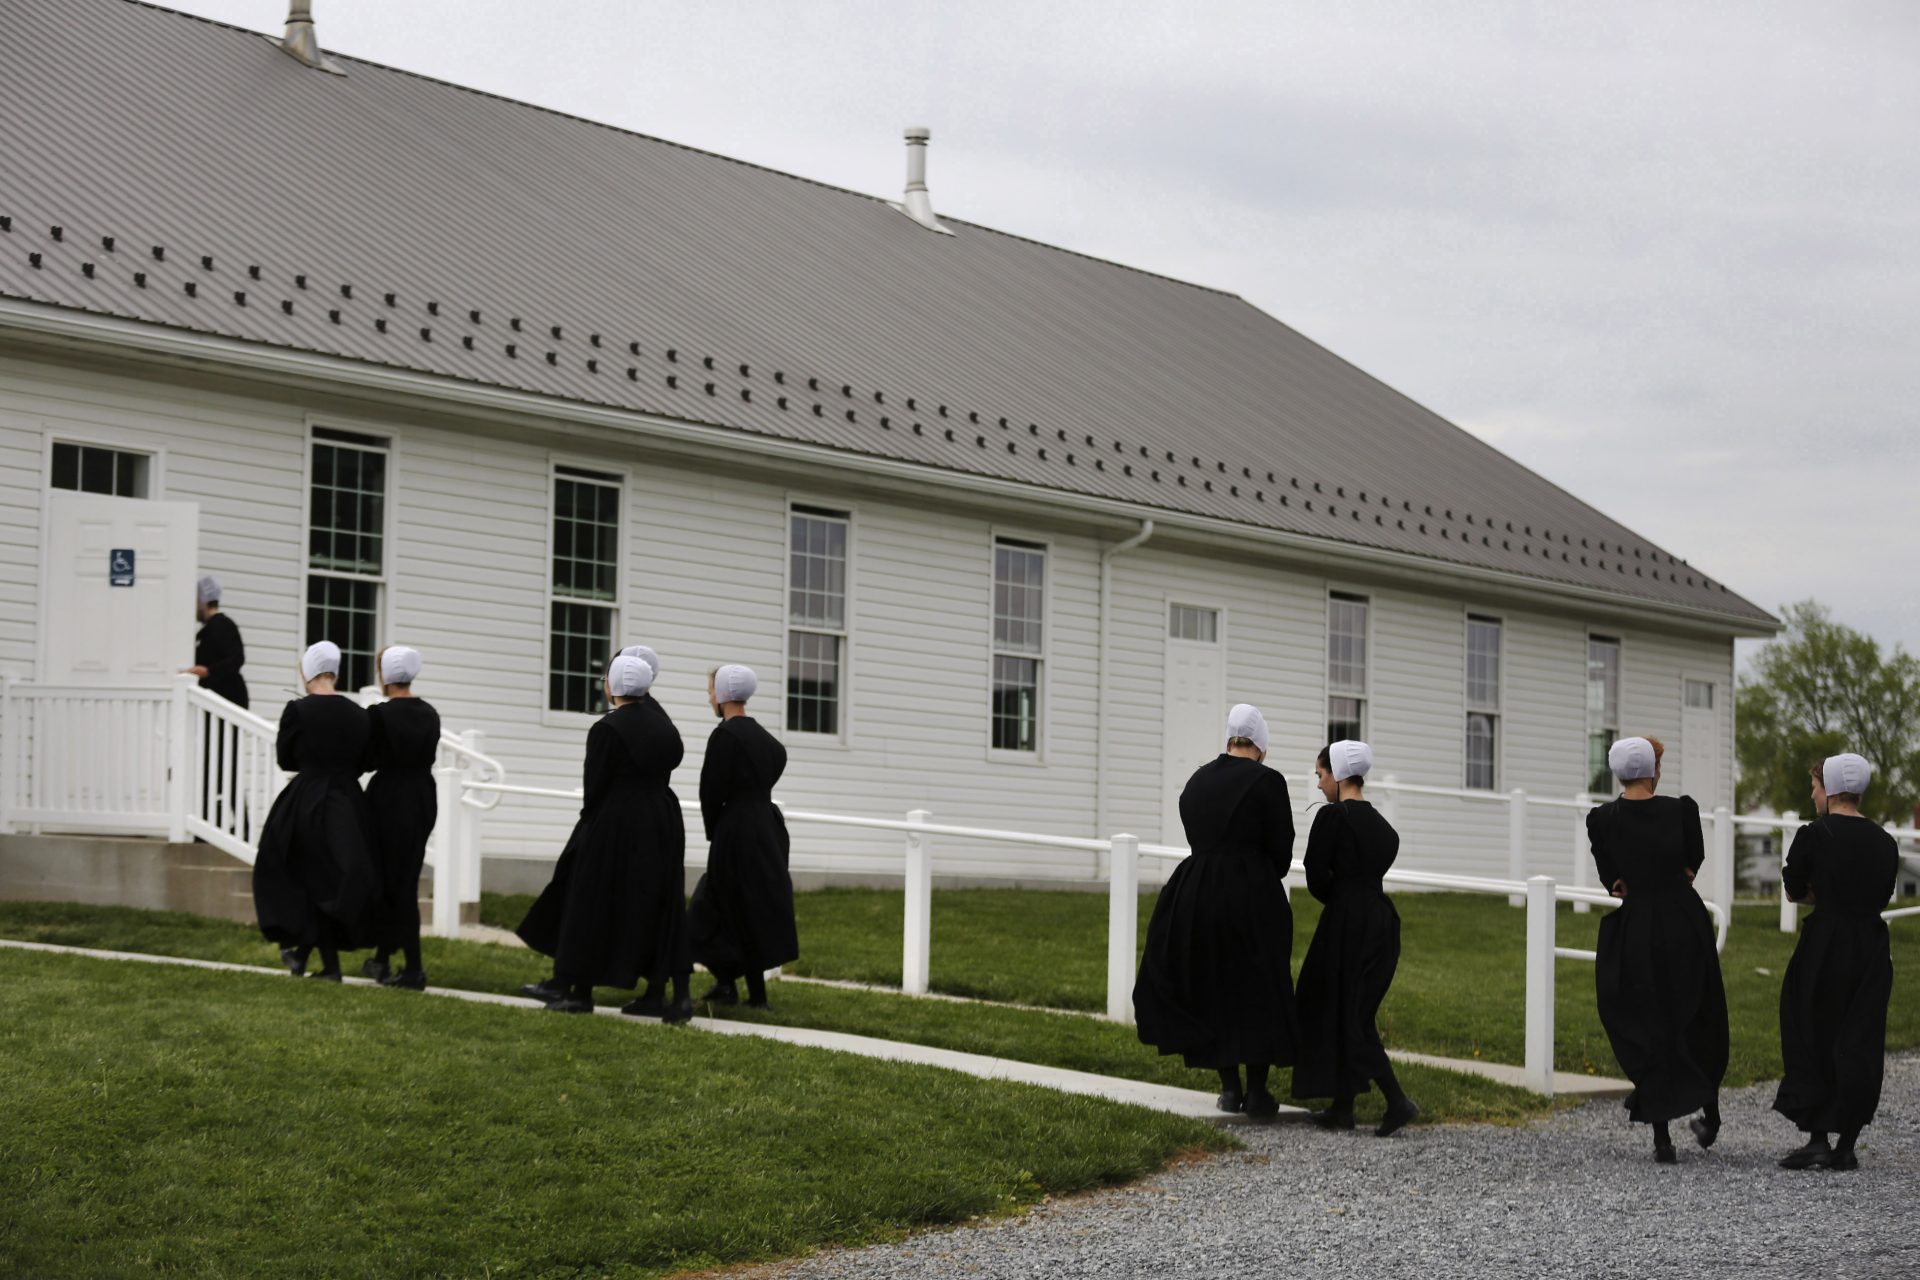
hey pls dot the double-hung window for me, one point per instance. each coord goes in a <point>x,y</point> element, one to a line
<point>1346,666</point>
<point>1483,702</point>
<point>816,619</point>
<point>583,588</point>
<point>1603,709</point>
<point>93,468</point>
<point>347,547</point>
<point>1019,614</point>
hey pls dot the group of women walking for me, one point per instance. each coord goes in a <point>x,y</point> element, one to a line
<point>1215,985</point>
<point>338,868</point>
<point>616,913</point>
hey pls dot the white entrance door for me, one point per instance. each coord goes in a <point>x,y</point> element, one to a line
<point>117,607</point>
<point>1194,723</point>
<point>1700,763</point>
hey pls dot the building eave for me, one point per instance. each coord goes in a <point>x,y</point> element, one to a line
<point>288,367</point>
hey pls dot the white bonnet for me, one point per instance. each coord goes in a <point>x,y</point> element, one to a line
<point>1245,721</point>
<point>734,683</point>
<point>1846,774</point>
<point>645,653</point>
<point>1631,759</point>
<point>1350,759</point>
<point>628,677</point>
<point>399,664</point>
<point>209,589</point>
<point>321,657</point>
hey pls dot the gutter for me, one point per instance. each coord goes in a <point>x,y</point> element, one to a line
<point>1100,752</point>
<point>333,374</point>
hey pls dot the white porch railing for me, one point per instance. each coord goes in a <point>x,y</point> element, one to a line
<point>179,762</point>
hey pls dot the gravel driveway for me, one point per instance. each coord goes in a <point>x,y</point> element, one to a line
<point>1577,1195</point>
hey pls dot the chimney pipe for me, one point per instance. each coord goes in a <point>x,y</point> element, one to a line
<point>300,41</point>
<point>918,205</point>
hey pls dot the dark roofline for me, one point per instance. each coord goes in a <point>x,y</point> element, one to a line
<point>693,150</point>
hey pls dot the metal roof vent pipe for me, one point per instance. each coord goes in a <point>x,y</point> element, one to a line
<point>918,205</point>
<point>302,42</point>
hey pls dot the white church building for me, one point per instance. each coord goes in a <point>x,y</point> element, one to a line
<point>1003,528</point>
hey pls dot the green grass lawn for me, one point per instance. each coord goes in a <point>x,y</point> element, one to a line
<point>1025,1035</point>
<point>168,1120</point>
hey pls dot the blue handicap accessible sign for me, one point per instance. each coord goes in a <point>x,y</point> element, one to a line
<point>120,567</point>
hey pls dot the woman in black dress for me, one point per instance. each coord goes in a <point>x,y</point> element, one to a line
<point>1833,1001</point>
<point>1355,948</point>
<point>314,880</point>
<point>615,911</point>
<point>741,915</point>
<point>1216,983</point>
<point>405,742</point>
<point>1657,973</point>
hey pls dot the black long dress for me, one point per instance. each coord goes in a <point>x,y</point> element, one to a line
<point>217,648</point>
<point>315,882</point>
<point>1833,1001</point>
<point>741,915</point>
<point>404,743</point>
<point>1216,983</point>
<point>1656,974</point>
<point>615,911</point>
<point>1355,949</point>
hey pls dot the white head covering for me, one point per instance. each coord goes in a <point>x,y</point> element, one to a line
<point>1245,721</point>
<point>1631,759</point>
<point>209,587</point>
<point>1350,759</point>
<point>629,677</point>
<point>1846,774</point>
<point>399,665</point>
<point>734,683</point>
<point>321,657</point>
<point>645,654</point>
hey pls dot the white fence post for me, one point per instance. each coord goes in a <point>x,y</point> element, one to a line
<point>1389,804</point>
<point>1540,931</point>
<point>179,758</point>
<point>1721,885</point>
<point>1789,912</point>
<point>1582,859</point>
<point>1516,841</point>
<point>447,853</point>
<point>918,934</point>
<point>469,828</point>
<point>1123,926</point>
<point>9,754</point>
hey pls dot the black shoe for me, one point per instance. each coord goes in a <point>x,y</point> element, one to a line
<point>1815,1155</point>
<point>1231,1101</point>
<point>406,980</point>
<point>295,962</point>
<point>1843,1162</point>
<point>1398,1117</point>
<point>1663,1153</point>
<point>378,970</point>
<point>679,1011</point>
<point>647,1006</point>
<point>569,1004</point>
<point>760,1004</point>
<point>1332,1119</point>
<point>1703,1133</point>
<point>721,993</point>
<point>1261,1105</point>
<point>327,975</point>
<point>547,990</point>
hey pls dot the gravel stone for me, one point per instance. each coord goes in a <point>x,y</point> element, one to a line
<point>1576,1195</point>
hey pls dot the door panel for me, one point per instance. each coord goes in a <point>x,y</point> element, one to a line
<point>98,628</point>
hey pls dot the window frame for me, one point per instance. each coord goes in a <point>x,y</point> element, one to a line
<point>1043,711</point>
<point>1619,641</point>
<point>1351,593</point>
<point>1495,713</point>
<point>1219,612</point>
<point>808,504</point>
<point>623,527</point>
<point>389,508</point>
<point>93,437</point>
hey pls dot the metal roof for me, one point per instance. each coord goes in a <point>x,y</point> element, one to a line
<point>176,171</point>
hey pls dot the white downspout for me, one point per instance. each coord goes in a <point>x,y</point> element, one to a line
<point>1101,751</point>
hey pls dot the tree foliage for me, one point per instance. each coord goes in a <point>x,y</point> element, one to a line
<point>1819,689</point>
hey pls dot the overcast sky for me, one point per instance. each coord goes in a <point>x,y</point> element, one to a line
<point>1666,255</point>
